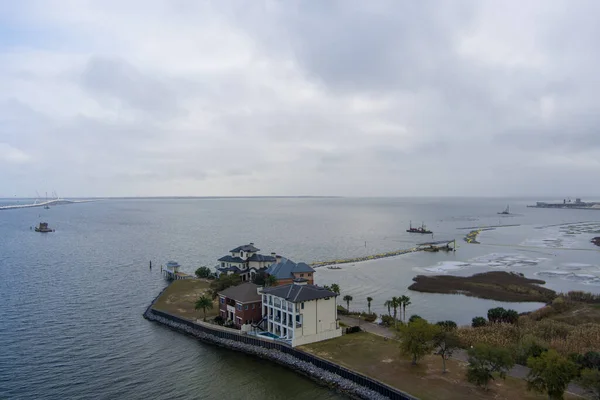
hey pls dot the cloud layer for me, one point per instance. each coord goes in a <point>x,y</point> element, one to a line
<point>384,98</point>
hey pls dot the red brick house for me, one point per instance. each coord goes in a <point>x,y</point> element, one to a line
<point>241,304</point>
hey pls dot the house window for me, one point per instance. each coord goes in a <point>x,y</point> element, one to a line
<point>301,275</point>
<point>302,306</point>
<point>222,265</point>
<point>245,307</point>
<point>309,275</point>
<point>242,254</point>
<point>253,306</point>
<point>239,307</point>
<point>222,300</point>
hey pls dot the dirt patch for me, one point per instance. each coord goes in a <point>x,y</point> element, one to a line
<point>494,285</point>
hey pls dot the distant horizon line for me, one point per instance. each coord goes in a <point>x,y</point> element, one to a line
<point>528,197</point>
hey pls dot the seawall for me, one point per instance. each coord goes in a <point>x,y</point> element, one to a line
<point>319,370</point>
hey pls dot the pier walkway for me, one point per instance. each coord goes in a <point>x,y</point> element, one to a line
<point>54,202</point>
<point>366,258</point>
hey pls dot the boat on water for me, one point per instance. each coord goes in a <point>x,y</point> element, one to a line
<point>43,227</point>
<point>506,211</point>
<point>334,267</point>
<point>421,229</point>
<point>46,207</point>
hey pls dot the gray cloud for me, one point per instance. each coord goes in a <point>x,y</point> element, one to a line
<point>284,98</point>
<point>110,79</point>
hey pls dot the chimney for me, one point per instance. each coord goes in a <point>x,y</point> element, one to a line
<point>278,258</point>
<point>251,244</point>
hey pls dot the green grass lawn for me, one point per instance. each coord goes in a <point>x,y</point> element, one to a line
<point>380,359</point>
<point>180,297</point>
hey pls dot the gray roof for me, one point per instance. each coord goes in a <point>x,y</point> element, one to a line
<point>285,268</point>
<point>244,293</point>
<point>260,257</point>
<point>246,247</point>
<point>298,293</point>
<point>231,259</point>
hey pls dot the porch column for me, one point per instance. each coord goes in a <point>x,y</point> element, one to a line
<point>294,320</point>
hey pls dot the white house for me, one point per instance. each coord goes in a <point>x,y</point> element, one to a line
<point>246,261</point>
<point>300,312</point>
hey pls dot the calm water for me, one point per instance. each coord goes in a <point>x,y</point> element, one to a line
<point>70,315</point>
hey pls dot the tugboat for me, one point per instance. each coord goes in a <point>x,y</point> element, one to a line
<point>421,229</point>
<point>43,227</point>
<point>505,212</point>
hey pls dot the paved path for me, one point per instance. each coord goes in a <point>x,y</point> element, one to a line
<point>518,371</point>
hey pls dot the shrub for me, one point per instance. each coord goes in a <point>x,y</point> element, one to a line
<point>447,325</point>
<point>542,313</point>
<point>387,320</point>
<point>550,373</point>
<point>484,361</point>
<point>414,317</point>
<point>203,272</point>
<point>590,360</point>
<point>417,338</point>
<point>368,317</point>
<point>219,320</point>
<point>478,322</point>
<point>342,310</point>
<point>353,329</point>
<point>530,346</point>
<point>583,297</point>
<point>499,314</point>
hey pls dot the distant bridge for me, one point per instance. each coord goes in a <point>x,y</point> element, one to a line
<point>53,202</point>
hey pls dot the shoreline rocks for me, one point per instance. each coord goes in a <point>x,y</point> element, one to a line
<point>596,240</point>
<point>317,374</point>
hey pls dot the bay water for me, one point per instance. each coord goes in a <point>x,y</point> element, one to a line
<point>71,304</point>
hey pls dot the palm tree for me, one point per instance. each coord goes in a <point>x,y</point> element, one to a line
<point>270,280</point>
<point>395,305</point>
<point>369,300</point>
<point>348,299</point>
<point>203,303</point>
<point>335,288</point>
<point>388,304</point>
<point>405,301</point>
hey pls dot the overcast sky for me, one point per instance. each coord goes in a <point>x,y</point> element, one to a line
<point>351,98</point>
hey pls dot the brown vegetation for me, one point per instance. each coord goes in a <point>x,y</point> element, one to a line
<point>565,325</point>
<point>181,296</point>
<point>495,285</point>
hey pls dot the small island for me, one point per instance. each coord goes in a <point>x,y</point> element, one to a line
<point>494,285</point>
